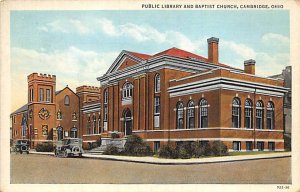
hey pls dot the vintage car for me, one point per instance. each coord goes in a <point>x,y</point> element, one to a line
<point>22,145</point>
<point>68,147</point>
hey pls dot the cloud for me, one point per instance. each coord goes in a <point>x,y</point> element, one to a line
<point>142,32</point>
<point>107,27</point>
<point>80,27</point>
<point>65,26</point>
<point>273,39</point>
<point>56,26</point>
<point>73,67</point>
<point>239,49</point>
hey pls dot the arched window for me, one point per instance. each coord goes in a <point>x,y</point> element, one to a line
<point>203,113</point>
<point>191,115</point>
<point>248,113</point>
<point>94,124</point>
<point>67,100</point>
<point>270,115</point>
<point>259,115</point>
<point>157,83</point>
<point>127,90</point>
<point>59,133</point>
<point>236,113</point>
<point>73,133</point>
<point>105,100</point>
<point>179,115</point>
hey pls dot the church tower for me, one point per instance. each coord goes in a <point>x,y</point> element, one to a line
<point>41,107</point>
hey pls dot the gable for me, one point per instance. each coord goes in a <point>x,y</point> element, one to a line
<point>124,60</point>
<point>127,62</point>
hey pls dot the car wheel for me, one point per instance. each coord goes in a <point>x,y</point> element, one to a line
<point>21,151</point>
<point>66,154</point>
<point>27,152</point>
<point>80,154</point>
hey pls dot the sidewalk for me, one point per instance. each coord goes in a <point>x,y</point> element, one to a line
<point>155,160</point>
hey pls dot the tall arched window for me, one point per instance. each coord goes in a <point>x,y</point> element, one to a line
<point>270,115</point>
<point>191,115</point>
<point>67,100</point>
<point>127,90</point>
<point>203,113</point>
<point>236,113</point>
<point>259,115</point>
<point>59,133</point>
<point>248,113</point>
<point>157,83</point>
<point>179,115</point>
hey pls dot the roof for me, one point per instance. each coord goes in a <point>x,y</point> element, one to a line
<point>174,52</point>
<point>21,109</point>
<point>179,53</point>
<point>140,55</point>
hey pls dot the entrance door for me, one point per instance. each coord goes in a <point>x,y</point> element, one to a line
<point>127,122</point>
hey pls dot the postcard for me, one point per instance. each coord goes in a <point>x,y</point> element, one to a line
<point>149,95</point>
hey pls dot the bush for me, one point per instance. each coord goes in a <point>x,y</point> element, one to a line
<point>167,151</point>
<point>98,142</point>
<point>200,149</point>
<point>287,143</point>
<point>219,148</point>
<point>111,150</point>
<point>135,146</point>
<point>44,147</point>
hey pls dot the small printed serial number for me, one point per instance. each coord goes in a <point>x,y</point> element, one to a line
<point>283,187</point>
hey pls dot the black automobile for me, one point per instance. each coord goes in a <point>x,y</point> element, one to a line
<point>22,145</point>
<point>69,147</point>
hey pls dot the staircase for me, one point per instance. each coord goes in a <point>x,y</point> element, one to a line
<point>97,150</point>
<point>119,142</point>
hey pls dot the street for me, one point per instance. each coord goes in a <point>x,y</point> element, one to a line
<point>46,169</point>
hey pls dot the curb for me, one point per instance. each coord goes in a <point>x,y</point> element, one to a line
<point>160,162</point>
<point>185,163</point>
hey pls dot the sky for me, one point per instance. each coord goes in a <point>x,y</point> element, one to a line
<point>79,46</point>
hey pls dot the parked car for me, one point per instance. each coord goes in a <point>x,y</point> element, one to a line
<point>69,147</point>
<point>22,145</point>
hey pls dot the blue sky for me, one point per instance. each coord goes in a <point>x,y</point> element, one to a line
<point>78,46</point>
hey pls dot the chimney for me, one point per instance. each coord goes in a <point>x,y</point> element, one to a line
<point>213,50</point>
<point>249,66</point>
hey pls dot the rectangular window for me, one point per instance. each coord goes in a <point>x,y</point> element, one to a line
<point>259,118</point>
<point>203,117</point>
<point>248,115</point>
<point>156,105</point>
<point>105,113</point>
<point>237,145</point>
<point>271,146</point>
<point>41,94</point>
<point>249,145</point>
<point>48,95</point>
<point>156,111</point>
<point>45,130</point>
<point>156,146</point>
<point>260,146</point>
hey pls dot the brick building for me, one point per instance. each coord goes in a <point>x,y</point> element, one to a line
<point>175,96</point>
